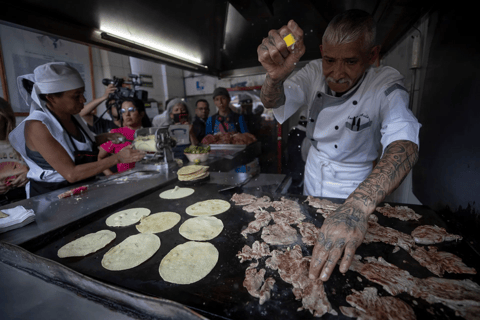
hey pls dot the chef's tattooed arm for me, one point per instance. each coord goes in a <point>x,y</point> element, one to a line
<point>343,231</point>
<point>272,94</point>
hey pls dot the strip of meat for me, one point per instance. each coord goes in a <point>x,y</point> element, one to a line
<point>325,207</point>
<point>309,233</point>
<point>463,296</point>
<point>378,233</point>
<point>368,305</point>
<point>432,234</point>
<point>400,212</point>
<point>266,289</point>
<point>243,199</point>
<point>263,202</point>
<point>253,279</point>
<point>258,250</point>
<point>262,218</point>
<point>440,261</point>
<point>393,279</point>
<point>293,268</point>
<point>288,217</point>
<point>280,233</point>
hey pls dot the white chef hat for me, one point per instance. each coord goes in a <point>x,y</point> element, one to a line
<point>53,77</point>
<point>56,77</point>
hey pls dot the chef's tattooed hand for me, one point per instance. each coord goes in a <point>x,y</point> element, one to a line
<point>279,61</point>
<point>344,230</point>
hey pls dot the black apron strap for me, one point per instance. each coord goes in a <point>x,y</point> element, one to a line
<point>41,187</point>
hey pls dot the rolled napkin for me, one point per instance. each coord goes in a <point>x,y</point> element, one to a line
<point>15,218</point>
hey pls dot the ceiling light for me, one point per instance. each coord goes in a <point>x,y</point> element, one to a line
<point>176,58</point>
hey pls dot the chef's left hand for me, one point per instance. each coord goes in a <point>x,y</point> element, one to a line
<point>342,232</point>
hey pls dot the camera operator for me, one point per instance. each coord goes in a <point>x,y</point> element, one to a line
<point>96,124</point>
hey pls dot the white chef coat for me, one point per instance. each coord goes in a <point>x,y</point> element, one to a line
<point>347,132</point>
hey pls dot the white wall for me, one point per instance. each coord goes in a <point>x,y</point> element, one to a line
<point>155,70</point>
<point>25,50</point>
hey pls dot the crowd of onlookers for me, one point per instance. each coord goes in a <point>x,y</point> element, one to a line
<point>63,141</point>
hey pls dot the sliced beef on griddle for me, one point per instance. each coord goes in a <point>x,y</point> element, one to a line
<point>293,268</point>
<point>368,305</point>
<point>309,233</point>
<point>253,283</point>
<point>463,296</point>
<point>378,233</point>
<point>432,234</point>
<point>262,218</point>
<point>258,250</point>
<point>440,261</point>
<point>288,217</point>
<point>279,233</point>
<point>400,212</point>
<point>393,279</point>
<point>266,289</point>
<point>263,202</point>
<point>325,207</point>
<point>243,199</point>
<point>253,279</point>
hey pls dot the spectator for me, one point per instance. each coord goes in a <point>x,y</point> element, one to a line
<point>13,170</point>
<point>95,124</point>
<point>202,110</point>
<point>224,120</point>
<point>132,113</point>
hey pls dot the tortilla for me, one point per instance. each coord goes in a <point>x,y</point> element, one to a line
<point>127,217</point>
<point>145,143</point>
<point>201,228</point>
<point>195,177</point>
<point>176,193</point>
<point>190,169</point>
<point>87,244</point>
<point>131,252</point>
<point>158,222</point>
<point>208,207</point>
<point>189,262</point>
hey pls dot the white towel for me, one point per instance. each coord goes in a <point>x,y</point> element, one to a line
<point>17,217</point>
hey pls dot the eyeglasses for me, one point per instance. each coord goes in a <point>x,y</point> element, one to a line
<point>131,109</point>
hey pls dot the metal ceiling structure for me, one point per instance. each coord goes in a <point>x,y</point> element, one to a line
<point>212,37</point>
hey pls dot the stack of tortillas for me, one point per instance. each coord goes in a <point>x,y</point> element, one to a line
<point>190,173</point>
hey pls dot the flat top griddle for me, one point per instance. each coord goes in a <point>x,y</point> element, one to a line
<point>221,293</point>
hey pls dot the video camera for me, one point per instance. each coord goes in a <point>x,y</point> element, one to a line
<point>123,92</point>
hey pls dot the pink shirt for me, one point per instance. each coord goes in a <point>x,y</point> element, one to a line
<point>110,147</point>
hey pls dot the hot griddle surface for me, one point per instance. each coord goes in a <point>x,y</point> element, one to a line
<point>221,293</point>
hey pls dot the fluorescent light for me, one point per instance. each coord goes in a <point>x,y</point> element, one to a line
<point>141,44</point>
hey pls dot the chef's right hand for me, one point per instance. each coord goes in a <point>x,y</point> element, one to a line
<point>274,55</point>
<point>129,155</point>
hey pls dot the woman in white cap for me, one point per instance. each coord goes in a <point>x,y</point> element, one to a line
<point>54,141</point>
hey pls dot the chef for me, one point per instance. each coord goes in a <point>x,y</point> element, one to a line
<point>56,144</point>
<point>354,111</point>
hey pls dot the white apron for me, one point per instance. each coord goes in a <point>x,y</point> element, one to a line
<point>40,112</point>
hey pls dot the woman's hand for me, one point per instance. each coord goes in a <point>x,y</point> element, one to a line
<point>20,181</point>
<point>129,155</point>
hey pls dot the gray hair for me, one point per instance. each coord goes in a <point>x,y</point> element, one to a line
<point>350,26</point>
